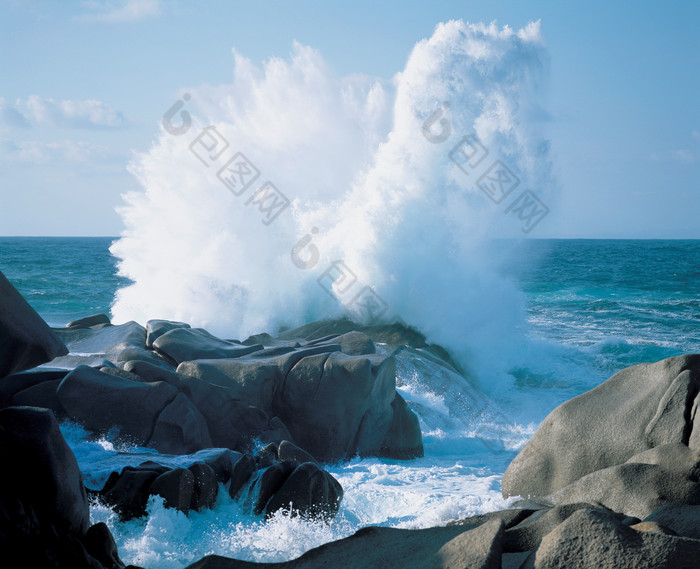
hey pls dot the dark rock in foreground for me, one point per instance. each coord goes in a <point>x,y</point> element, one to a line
<point>25,339</point>
<point>44,512</point>
<point>278,478</point>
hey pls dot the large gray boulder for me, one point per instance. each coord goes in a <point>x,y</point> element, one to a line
<point>594,539</point>
<point>95,321</point>
<point>391,548</point>
<point>26,340</point>
<point>252,379</point>
<point>102,401</point>
<point>336,405</point>
<point>156,328</point>
<point>185,344</point>
<point>180,428</point>
<point>404,439</point>
<point>92,346</point>
<point>333,404</point>
<point>526,535</point>
<point>638,408</point>
<point>682,519</point>
<point>636,488</point>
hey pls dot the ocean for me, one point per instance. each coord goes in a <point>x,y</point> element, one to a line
<point>564,316</point>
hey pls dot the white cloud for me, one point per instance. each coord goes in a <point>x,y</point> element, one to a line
<point>121,11</point>
<point>90,114</point>
<point>44,152</point>
<point>10,116</point>
<point>685,156</point>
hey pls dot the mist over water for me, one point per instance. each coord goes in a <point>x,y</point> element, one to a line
<point>366,187</point>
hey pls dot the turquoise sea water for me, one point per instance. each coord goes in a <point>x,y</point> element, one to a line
<point>593,307</point>
<point>640,298</point>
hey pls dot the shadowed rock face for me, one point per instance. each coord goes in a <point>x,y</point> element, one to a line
<point>390,548</point>
<point>25,339</point>
<point>44,512</point>
<point>638,408</point>
<point>276,479</point>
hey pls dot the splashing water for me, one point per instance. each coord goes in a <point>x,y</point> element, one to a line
<point>373,195</point>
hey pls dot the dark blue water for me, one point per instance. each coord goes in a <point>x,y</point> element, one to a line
<point>63,278</point>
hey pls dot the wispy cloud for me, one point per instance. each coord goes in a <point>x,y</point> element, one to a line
<point>121,11</point>
<point>62,151</point>
<point>90,114</point>
<point>681,155</point>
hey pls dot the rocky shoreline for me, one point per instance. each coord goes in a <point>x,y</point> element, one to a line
<point>610,479</point>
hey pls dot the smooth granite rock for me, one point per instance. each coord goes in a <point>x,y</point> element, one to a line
<point>176,487</point>
<point>156,328</point>
<point>404,439</point>
<point>92,347</point>
<point>127,491</point>
<point>638,408</point>
<point>39,467</point>
<point>180,428</point>
<point>593,539</point>
<point>255,378</point>
<point>527,534</point>
<point>336,405</point>
<point>44,511</point>
<point>634,488</point>
<point>391,548</point>
<point>18,382</point>
<point>186,344</point>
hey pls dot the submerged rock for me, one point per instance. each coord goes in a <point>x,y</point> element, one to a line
<point>309,491</point>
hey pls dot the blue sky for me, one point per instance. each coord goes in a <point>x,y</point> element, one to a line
<point>83,85</point>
